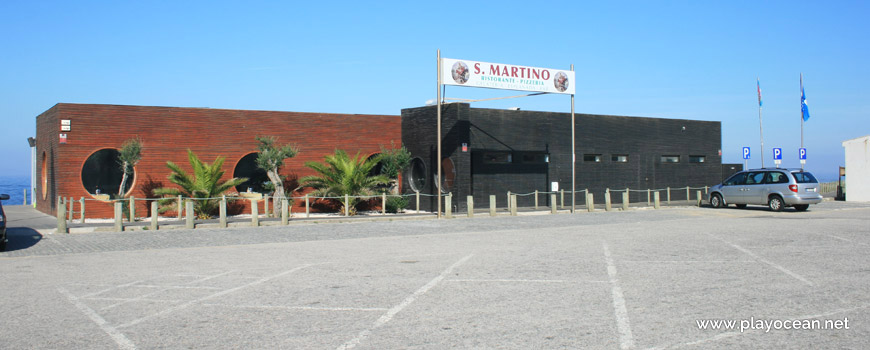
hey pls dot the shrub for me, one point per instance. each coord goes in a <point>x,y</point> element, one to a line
<point>396,204</point>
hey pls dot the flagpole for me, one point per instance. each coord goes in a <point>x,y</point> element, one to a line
<point>802,116</point>
<point>760,126</point>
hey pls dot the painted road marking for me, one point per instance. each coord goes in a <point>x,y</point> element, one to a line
<point>626,339</point>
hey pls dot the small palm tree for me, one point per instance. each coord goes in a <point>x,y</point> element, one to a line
<point>205,183</point>
<point>342,175</point>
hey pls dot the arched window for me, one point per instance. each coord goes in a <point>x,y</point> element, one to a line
<point>101,173</point>
<point>257,178</point>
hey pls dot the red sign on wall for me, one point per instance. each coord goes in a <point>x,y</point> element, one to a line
<point>62,138</point>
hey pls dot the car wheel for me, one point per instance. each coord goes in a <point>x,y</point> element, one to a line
<point>801,207</point>
<point>740,206</point>
<point>716,201</point>
<point>775,203</point>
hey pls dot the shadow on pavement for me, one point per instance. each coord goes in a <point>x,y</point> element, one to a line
<point>21,238</point>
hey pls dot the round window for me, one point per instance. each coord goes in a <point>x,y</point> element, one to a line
<point>101,173</point>
<point>417,175</point>
<point>257,178</point>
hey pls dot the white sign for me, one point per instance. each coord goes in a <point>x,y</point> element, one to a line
<point>64,128</point>
<point>554,186</point>
<point>506,76</point>
<point>64,122</point>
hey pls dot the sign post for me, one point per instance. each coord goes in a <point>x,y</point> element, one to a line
<point>777,156</point>
<point>746,153</point>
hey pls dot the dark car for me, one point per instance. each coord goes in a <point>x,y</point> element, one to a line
<point>775,188</point>
<point>3,197</point>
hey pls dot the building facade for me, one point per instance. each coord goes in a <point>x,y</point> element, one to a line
<point>492,151</point>
<point>81,162</point>
<point>857,153</point>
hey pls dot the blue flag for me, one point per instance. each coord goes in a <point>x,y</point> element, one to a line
<point>805,111</point>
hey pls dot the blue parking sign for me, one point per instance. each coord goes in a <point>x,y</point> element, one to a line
<point>802,154</point>
<point>777,154</point>
<point>745,152</point>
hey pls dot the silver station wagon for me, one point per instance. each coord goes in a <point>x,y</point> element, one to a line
<point>775,188</point>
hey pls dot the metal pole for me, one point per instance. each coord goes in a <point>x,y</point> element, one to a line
<point>438,160</point>
<point>573,156</point>
<point>761,129</point>
<point>802,117</point>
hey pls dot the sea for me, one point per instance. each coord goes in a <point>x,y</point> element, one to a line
<point>14,186</point>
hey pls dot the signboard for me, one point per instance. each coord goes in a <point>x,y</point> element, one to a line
<point>802,154</point>
<point>777,154</point>
<point>62,138</point>
<point>64,122</point>
<point>506,76</point>
<point>64,128</point>
<point>554,186</point>
<point>745,152</point>
<point>464,147</point>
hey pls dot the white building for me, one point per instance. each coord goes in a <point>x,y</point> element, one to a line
<point>858,169</point>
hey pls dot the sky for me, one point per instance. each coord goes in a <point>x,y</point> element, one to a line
<point>669,59</point>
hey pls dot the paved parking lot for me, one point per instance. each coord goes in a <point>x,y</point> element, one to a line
<point>631,280</point>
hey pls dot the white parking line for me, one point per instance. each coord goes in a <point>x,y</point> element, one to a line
<point>119,338</point>
<point>165,288</point>
<point>307,308</point>
<point>112,288</point>
<point>215,295</point>
<point>396,309</point>
<point>756,257</point>
<point>525,281</point>
<point>626,339</point>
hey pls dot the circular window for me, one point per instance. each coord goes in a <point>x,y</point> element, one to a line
<point>44,175</point>
<point>449,172</point>
<point>417,175</point>
<point>257,178</point>
<point>101,173</point>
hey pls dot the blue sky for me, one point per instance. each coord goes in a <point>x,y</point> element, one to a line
<point>686,59</point>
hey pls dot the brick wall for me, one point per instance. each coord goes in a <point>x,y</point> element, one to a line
<point>167,133</point>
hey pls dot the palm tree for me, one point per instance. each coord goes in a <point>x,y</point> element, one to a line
<point>205,183</point>
<point>343,175</point>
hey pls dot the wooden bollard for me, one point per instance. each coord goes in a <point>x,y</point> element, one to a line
<point>448,206</point>
<point>590,202</point>
<point>417,194</point>
<point>470,205</point>
<point>71,210</point>
<point>255,213</point>
<point>562,195</point>
<point>509,200</point>
<point>285,211</point>
<point>82,208</point>
<point>513,204</point>
<point>346,205</point>
<point>307,207</point>
<point>688,198</point>
<point>648,192</point>
<point>119,210</point>
<point>222,220</point>
<point>657,205</point>
<point>384,203</point>
<point>180,208</point>
<point>266,207</point>
<point>553,203</point>
<point>700,200</point>
<point>669,195</point>
<point>154,215</point>
<point>536,199</point>
<point>607,204</point>
<point>625,200</point>
<point>132,209</point>
<point>61,216</point>
<point>492,205</point>
<point>188,212</point>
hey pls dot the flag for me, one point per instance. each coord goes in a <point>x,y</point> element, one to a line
<point>758,83</point>
<point>805,111</point>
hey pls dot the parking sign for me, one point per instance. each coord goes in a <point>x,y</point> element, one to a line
<point>745,152</point>
<point>802,154</point>
<point>777,154</point>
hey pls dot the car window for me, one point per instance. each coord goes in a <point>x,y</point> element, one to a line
<point>737,179</point>
<point>754,178</point>
<point>804,178</point>
<point>776,177</point>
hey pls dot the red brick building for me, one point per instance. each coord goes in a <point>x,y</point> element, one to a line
<point>168,132</point>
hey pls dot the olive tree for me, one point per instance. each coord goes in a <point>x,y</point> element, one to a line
<point>270,158</point>
<point>130,154</point>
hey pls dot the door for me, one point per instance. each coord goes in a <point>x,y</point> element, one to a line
<point>732,189</point>
<point>754,192</point>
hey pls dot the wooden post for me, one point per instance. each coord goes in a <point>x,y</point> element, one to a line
<point>180,208</point>
<point>492,205</point>
<point>384,203</point>
<point>25,197</point>
<point>625,200</point>
<point>607,204</point>
<point>255,213</point>
<point>647,196</point>
<point>285,211</point>
<point>562,194</point>
<point>699,198</point>
<point>448,205</point>
<point>119,210</point>
<point>705,190</point>
<point>553,203</point>
<point>536,199</point>
<point>657,204</point>
<point>154,214</point>
<point>470,204</point>
<point>669,195</point>
<point>188,211</point>
<point>513,204</point>
<point>132,209</point>
<point>590,201</point>
<point>346,205</point>
<point>688,197</point>
<point>82,208</point>
<point>266,207</point>
<point>307,207</point>
<point>71,208</point>
<point>222,221</point>
<point>61,216</point>
<point>417,194</point>
<point>509,201</point>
